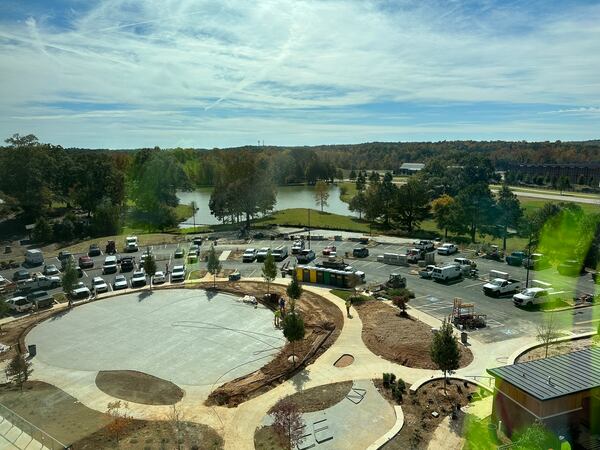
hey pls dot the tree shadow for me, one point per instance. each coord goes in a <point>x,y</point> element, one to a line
<point>211,293</point>
<point>300,379</point>
<point>61,314</point>
<point>144,295</point>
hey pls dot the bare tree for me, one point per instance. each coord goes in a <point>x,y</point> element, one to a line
<point>18,370</point>
<point>287,423</point>
<point>121,419</point>
<point>546,332</point>
<point>176,419</point>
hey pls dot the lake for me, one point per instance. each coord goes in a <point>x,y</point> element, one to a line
<point>287,197</point>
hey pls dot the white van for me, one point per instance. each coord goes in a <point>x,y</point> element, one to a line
<point>34,257</point>
<point>446,273</point>
<point>110,264</point>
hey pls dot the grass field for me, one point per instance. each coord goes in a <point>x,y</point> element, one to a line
<point>350,191</point>
<point>299,217</point>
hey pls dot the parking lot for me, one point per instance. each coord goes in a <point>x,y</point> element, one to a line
<point>504,320</point>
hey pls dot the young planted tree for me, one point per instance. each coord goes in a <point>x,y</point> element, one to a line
<point>321,194</point>
<point>294,292</point>
<point>121,419</point>
<point>213,265</point>
<point>546,332</point>
<point>69,280</point>
<point>287,423</point>
<point>400,297</point>
<point>18,370</point>
<point>150,265</point>
<point>293,330</point>
<point>444,350</point>
<point>269,270</point>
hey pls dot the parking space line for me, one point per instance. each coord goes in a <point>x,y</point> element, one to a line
<point>587,321</point>
<point>475,284</point>
<point>381,266</point>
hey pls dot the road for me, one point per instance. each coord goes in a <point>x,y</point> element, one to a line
<point>556,197</point>
<point>505,321</point>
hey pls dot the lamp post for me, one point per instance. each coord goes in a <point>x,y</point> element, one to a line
<point>309,228</point>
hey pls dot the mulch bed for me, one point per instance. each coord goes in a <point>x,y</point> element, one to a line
<point>403,340</point>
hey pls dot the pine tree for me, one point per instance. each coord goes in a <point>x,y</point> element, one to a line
<point>150,266</point>
<point>444,350</point>
<point>214,265</point>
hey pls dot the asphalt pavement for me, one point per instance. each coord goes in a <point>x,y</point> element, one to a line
<point>504,320</point>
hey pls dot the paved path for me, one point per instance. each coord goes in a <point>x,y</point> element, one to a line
<point>237,425</point>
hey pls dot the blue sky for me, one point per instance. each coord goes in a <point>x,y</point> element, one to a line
<point>124,73</point>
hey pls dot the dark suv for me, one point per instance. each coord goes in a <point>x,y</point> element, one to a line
<point>360,252</point>
<point>94,250</point>
<point>127,263</point>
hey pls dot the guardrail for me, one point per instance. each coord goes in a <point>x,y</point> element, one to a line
<point>34,432</point>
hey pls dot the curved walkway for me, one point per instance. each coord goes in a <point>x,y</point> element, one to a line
<point>237,425</point>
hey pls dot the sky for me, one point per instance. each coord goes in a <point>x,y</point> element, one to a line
<point>196,73</point>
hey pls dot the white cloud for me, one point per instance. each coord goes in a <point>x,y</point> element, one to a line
<point>280,56</point>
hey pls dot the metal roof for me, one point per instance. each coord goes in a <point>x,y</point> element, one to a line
<point>555,376</point>
<point>412,166</point>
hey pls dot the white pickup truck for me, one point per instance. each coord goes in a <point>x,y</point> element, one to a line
<point>533,296</point>
<point>501,286</point>
<point>37,282</point>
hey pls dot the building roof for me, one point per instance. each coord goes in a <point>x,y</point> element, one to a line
<point>556,376</point>
<point>412,166</point>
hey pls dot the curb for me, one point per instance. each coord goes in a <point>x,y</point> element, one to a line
<point>512,358</point>
<point>417,385</point>
<point>379,443</point>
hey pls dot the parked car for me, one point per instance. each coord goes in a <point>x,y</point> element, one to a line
<point>138,279</point>
<point>131,244</point>
<point>19,304</point>
<point>66,260</point>
<point>120,282</point>
<point>462,262</point>
<point>426,271</point>
<point>280,253</point>
<point>501,286</point>
<point>99,285</point>
<point>40,299</point>
<point>159,277</point>
<point>306,256</point>
<point>81,293</point>
<point>516,258</point>
<point>235,276</point>
<point>110,264</point>
<point>34,257</point>
<point>426,246</point>
<point>447,249</point>
<point>94,250</point>
<point>21,275</point>
<point>64,254</point>
<point>531,296</point>
<point>249,255</point>
<point>414,255</point>
<point>261,255</point>
<point>297,247</point>
<point>178,273</point>
<point>360,252</point>
<point>127,263</point>
<point>85,262</point>
<point>194,250</point>
<point>197,240</point>
<point>179,253</point>
<point>50,269</point>
<point>447,273</point>
<point>536,261</point>
<point>571,268</point>
<point>330,250</point>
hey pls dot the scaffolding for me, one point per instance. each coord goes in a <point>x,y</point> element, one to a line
<point>463,314</point>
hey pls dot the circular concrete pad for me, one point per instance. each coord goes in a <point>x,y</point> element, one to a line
<point>185,336</point>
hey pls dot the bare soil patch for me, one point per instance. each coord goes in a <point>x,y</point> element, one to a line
<point>138,387</point>
<point>402,340</point>
<point>557,348</point>
<point>419,423</point>
<point>344,361</point>
<point>155,435</point>
<point>323,322</point>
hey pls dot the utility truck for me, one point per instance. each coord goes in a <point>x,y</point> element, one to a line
<point>500,286</point>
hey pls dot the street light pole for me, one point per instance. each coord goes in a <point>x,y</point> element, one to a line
<point>528,262</point>
<point>309,228</point>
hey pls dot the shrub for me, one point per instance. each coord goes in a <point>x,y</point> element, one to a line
<point>386,380</point>
<point>401,385</point>
<point>397,394</point>
<point>392,378</point>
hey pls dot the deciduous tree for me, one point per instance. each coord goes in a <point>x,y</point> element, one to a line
<point>69,280</point>
<point>150,265</point>
<point>321,194</point>
<point>412,204</point>
<point>18,370</point>
<point>443,209</point>
<point>287,423</point>
<point>213,264</point>
<point>508,212</point>
<point>444,350</point>
<point>269,270</point>
<point>121,418</point>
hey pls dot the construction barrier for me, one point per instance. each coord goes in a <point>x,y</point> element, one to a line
<point>329,277</point>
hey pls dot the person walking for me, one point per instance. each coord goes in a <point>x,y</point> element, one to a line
<point>348,305</point>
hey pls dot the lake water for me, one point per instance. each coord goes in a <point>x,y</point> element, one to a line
<point>287,197</point>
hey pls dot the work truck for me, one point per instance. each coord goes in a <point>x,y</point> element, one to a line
<point>500,286</point>
<point>38,282</point>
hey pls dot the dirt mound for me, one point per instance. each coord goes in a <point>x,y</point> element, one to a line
<point>138,387</point>
<point>323,322</point>
<point>402,340</point>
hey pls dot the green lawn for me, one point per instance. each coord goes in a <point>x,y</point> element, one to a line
<point>350,189</point>
<point>532,204</point>
<point>299,217</point>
